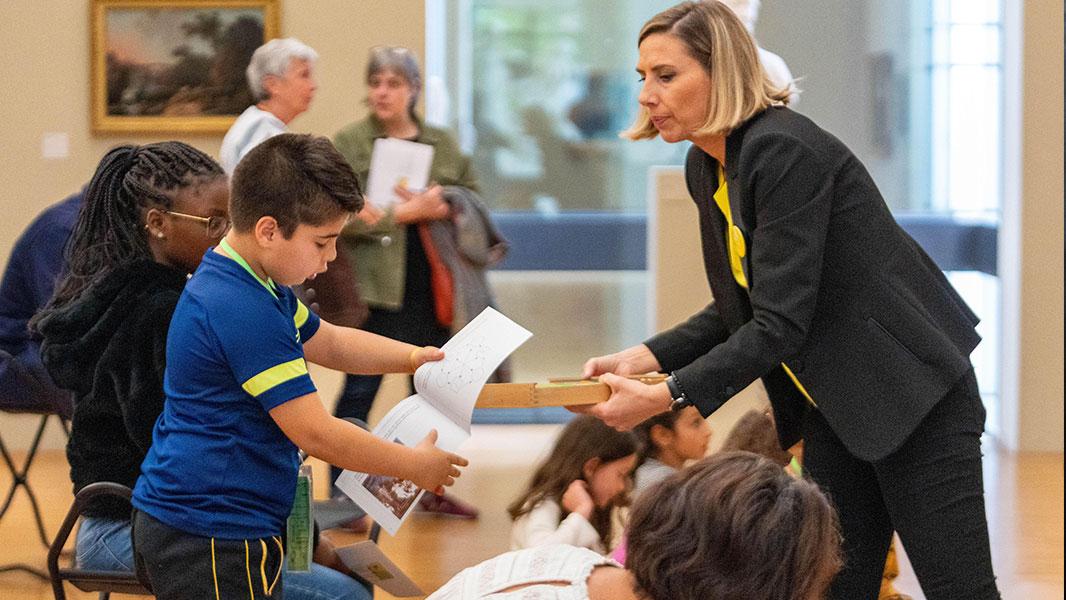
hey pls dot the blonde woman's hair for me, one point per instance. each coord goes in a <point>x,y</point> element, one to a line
<point>717,39</point>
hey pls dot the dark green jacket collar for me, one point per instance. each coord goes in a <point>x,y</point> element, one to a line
<point>426,135</point>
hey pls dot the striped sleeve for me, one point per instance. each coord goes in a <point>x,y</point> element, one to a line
<point>262,343</point>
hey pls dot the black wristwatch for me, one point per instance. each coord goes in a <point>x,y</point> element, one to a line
<point>680,400</point>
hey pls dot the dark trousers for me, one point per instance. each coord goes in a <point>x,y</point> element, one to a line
<point>930,491</point>
<point>182,566</point>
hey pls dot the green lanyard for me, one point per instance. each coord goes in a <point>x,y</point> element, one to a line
<point>237,258</point>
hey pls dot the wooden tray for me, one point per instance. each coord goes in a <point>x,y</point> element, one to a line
<point>557,392</point>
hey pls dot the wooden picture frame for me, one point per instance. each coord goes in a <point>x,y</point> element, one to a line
<point>174,66</point>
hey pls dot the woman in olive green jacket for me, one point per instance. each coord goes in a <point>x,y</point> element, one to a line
<point>386,242</point>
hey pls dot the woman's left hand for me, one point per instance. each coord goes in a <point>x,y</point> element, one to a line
<point>631,402</point>
<point>427,205</point>
<point>370,214</point>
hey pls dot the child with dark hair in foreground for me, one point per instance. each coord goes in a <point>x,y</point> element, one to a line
<point>219,479</point>
<point>755,432</point>
<point>732,526</point>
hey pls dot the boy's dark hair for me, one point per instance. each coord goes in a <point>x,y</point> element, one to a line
<point>755,432</point>
<point>585,437</point>
<point>733,526</point>
<point>648,449</point>
<point>295,178</point>
<point>110,230</point>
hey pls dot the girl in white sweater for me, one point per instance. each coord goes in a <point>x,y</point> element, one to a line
<point>573,493</point>
<point>730,526</point>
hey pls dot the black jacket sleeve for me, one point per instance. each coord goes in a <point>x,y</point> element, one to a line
<point>790,187</point>
<point>687,341</point>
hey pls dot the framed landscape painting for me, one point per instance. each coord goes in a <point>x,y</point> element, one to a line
<point>174,66</point>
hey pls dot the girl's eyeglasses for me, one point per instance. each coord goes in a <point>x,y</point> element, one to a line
<point>215,226</point>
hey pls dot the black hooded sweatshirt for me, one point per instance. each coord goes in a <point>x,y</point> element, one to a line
<point>109,348</point>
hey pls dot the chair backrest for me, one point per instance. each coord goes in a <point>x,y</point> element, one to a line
<point>89,580</point>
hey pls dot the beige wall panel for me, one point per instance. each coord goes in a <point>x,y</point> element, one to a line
<point>46,90</point>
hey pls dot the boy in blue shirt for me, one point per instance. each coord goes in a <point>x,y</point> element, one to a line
<point>218,482</point>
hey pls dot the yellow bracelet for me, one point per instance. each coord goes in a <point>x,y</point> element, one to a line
<point>411,359</point>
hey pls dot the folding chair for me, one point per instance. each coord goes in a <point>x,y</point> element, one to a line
<point>19,474</point>
<point>88,580</point>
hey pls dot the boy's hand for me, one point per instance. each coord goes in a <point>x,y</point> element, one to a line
<point>434,468</point>
<point>576,499</point>
<point>421,356</point>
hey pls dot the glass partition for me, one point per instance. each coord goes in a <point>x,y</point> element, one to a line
<point>539,89</point>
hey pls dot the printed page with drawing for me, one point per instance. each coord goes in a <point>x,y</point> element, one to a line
<point>446,392</point>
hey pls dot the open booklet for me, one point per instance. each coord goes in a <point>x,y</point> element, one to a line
<point>446,392</point>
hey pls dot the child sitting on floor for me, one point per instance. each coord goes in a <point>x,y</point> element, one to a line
<point>732,526</point>
<point>668,441</point>
<point>755,432</point>
<point>572,495</point>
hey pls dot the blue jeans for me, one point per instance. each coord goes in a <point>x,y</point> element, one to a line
<point>106,545</point>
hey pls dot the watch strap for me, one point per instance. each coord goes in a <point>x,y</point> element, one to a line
<point>680,400</point>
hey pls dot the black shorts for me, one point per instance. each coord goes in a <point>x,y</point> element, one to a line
<point>183,566</point>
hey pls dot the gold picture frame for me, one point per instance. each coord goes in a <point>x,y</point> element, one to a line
<point>174,66</point>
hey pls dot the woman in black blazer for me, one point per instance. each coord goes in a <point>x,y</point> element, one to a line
<point>861,342</point>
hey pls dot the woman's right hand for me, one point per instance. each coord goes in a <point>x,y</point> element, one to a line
<point>429,205</point>
<point>635,360</point>
<point>432,468</point>
<point>576,499</point>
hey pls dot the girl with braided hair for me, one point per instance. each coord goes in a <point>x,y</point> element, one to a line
<point>150,214</point>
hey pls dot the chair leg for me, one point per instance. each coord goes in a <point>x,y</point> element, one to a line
<point>19,479</point>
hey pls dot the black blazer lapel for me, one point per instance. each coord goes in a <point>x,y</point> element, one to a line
<point>731,299</point>
<point>742,211</point>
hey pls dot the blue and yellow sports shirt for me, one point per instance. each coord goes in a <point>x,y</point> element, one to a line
<point>219,466</point>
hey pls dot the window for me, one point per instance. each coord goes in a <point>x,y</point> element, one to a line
<point>538,90</point>
<point>967,82</point>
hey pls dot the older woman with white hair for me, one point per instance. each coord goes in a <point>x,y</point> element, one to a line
<point>281,78</point>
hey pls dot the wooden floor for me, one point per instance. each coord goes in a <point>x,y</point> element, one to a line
<point>1025,506</point>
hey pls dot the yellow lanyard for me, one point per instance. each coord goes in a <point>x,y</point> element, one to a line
<point>738,249</point>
